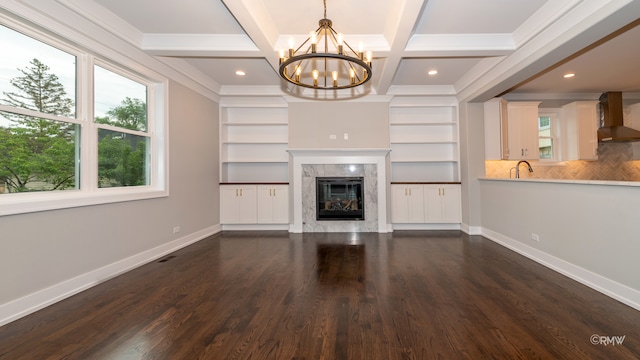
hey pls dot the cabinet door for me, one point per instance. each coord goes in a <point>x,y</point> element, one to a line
<point>399,204</point>
<point>432,203</point>
<point>229,206</point>
<point>451,204</point>
<point>273,204</point>
<point>247,205</point>
<point>587,118</point>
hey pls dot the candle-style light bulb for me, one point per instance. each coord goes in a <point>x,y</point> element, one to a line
<point>298,72</point>
<point>314,41</point>
<point>334,74</point>
<point>315,77</point>
<point>360,50</point>
<point>281,56</point>
<point>340,39</point>
<point>352,76</point>
<point>369,56</point>
<point>291,47</point>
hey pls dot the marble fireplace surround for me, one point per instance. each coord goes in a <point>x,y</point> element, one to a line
<point>309,163</point>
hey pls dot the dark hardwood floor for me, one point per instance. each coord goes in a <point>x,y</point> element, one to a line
<point>275,295</point>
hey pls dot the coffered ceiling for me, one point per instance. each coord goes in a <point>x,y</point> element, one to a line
<point>462,39</point>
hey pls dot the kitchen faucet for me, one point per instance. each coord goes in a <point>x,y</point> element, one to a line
<point>518,167</point>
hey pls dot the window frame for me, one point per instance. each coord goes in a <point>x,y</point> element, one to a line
<point>553,135</point>
<point>88,192</point>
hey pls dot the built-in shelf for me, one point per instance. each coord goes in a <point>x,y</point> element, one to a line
<point>424,142</point>
<point>254,138</point>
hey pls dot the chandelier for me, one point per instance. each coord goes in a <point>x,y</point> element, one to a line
<point>325,61</point>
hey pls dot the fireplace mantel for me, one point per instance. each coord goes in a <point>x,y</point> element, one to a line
<point>345,156</point>
<point>339,152</point>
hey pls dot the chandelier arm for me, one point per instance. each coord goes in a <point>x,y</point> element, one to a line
<point>355,73</point>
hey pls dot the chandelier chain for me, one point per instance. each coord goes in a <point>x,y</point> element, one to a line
<point>325,9</point>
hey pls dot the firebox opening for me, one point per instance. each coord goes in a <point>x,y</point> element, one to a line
<point>339,198</point>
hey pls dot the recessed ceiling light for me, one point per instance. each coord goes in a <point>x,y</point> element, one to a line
<point>569,75</point>
<point>433,72</point>
<point>240,73</point>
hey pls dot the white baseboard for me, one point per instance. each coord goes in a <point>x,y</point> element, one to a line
<point>455,226</point>
<point>28,304</point>
<point>471,230</point>
<point>255,227</point>
<point>615,290</point>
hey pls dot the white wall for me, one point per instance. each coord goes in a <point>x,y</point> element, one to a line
<point>48,254</point>
<point>312,123</point>
<point>471,164</point>
<point>589,230</point>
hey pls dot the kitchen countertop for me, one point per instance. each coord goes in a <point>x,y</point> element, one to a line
<point>566,181</point>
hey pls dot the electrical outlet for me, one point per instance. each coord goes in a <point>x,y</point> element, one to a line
<point>346,136</point>
<point>176,229</point>
<point>535,237</point>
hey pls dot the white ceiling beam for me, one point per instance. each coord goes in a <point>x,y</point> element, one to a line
<point>398,30</point>
<point>254,19</point>
<point>213,45</point>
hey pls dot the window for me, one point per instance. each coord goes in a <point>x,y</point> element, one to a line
<point>122,154</point>
<point>38,129</point>
<point>546,136</point>
<point>73,126</point>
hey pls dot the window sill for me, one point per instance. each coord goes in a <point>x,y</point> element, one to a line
<point>13,204</point>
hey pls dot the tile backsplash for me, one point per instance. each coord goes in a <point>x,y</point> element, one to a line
<point>615,162</point>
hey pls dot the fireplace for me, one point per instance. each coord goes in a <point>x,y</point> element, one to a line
<point>308,164</point>
<point>339,198</point>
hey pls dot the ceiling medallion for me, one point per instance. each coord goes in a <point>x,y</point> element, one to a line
<point>328,62</point>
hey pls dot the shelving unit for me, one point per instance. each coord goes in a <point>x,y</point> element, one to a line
<point>424,142</point>
<point>254,137</point>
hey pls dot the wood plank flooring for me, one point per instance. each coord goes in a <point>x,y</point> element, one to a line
<point>275,295</point>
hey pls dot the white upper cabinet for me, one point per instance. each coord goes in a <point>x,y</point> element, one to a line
<point>522,131</point>
<point>580,119</point>
<point>511,130</point>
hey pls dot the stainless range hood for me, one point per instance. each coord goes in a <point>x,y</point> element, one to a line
<point>613,129</point>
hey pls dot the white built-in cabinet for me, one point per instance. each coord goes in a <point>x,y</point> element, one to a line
<point>254,162</point>
<point>425,203</point>
<point>407,203</point>
<point>580,119</point>
<point>511,130</point>
<point>442,203</point>
<point>254,204</point>
<point>424,159</point>
<point>238,204</point>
